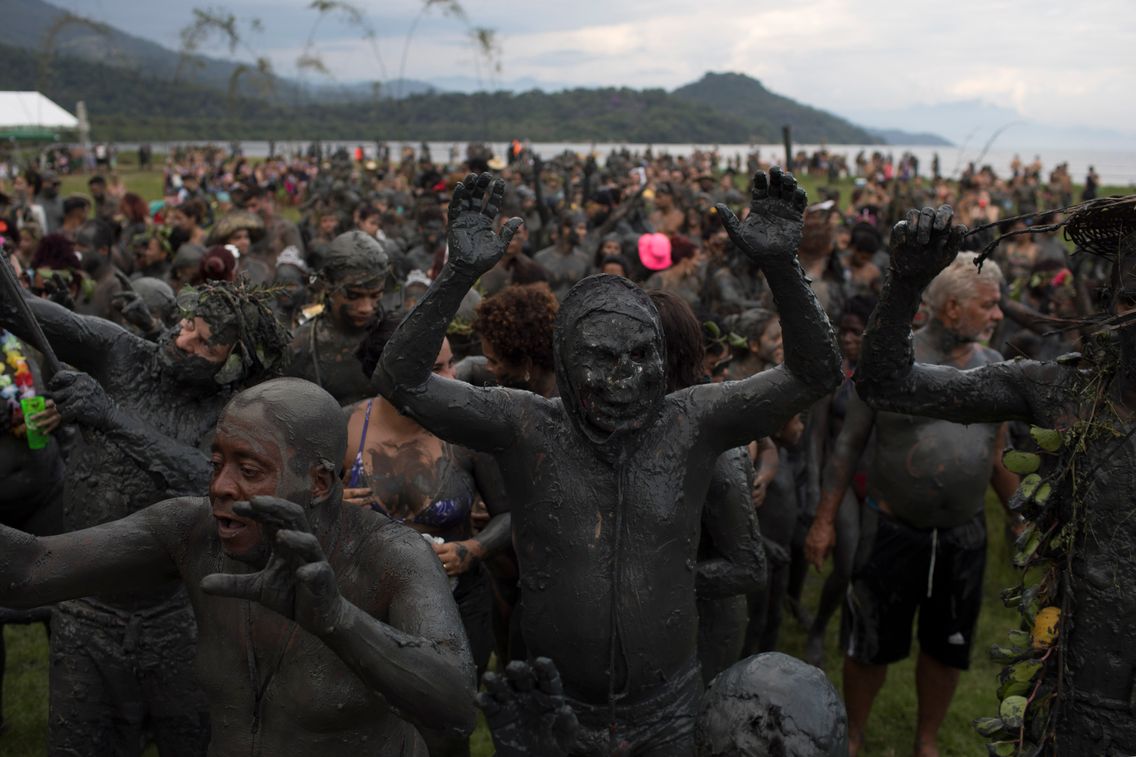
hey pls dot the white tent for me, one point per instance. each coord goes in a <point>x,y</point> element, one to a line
<point>32,112</point>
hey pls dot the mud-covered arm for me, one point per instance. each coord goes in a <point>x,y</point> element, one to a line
<point>404,638</point>
<point>887,376</point>
<point>738,566</point>
<point>1025,316</point>
<point>84,341</point>
<point>817,430</point>
<point>737,412</point>
<point>846,453</point>
<point>176,467</point>
<point>418,660</point>
<point>123,555</point>
<point>498,532</point>
<point>475,417</point>
<point>849,446</point>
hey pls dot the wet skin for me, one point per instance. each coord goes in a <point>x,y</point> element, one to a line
<point>320,626</point>
<point>609,479</point>
<point>324,348</point>
<point>1100,646</point>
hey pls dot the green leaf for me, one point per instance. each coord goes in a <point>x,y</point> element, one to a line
<point>1029,485</point>
<point>1018,679</point>
<point>1013,710</point>
<point>1003,654</point>
<point>1011,688</point>
<point>1021,462</point>
<point>1048,439</point>
<point>1002,749</point>
<point>991,728</point>
<point>1023,671</point>
<point>1019,638</point>
<point>1028,544</point>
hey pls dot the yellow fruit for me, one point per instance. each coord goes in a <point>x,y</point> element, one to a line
<point>1045,627</point>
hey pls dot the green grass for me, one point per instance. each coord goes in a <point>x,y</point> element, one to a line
<point>891,730</point>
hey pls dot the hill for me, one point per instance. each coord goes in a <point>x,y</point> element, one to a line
<point>30,24</point>
<point>766,112</point>
<point>126,104</point>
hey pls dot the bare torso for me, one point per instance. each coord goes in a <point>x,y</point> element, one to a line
<point>292,695</point>
<point>927,472</point>
<point>581,512</point>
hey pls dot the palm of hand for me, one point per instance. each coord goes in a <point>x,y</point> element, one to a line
<point>275,587</point>
<point>472,240</point>
<point>775,224</point>
<point>475,204</point>
<point>298,582</point>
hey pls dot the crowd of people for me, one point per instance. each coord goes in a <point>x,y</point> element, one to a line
<point>174,316</point>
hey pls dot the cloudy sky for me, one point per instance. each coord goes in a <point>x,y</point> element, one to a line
<point>1056,63</point>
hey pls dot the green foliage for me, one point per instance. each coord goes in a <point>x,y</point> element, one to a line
<point>765,112</point>
<point>129,104</point>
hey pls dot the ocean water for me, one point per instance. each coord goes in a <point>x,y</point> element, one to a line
<point>1116,167</point>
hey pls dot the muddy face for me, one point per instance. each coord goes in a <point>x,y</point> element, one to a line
<point>615,367</point>
<point>248,459</point>
<point>355,307</point>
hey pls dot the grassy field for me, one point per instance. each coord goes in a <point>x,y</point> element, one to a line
<point>891,730</point>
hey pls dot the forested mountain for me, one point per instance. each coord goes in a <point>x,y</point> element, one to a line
<point>125,104</point>
<point>766,112</point>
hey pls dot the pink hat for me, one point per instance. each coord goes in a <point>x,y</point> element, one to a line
<point>655,251</point>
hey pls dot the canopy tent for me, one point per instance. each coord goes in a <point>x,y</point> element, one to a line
<point>30,115</point>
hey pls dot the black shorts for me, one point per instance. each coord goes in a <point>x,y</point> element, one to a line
<point>895,577</point>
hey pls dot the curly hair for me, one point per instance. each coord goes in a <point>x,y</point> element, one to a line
<point>518,321</point>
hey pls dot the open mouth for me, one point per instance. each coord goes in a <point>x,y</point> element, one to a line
<point>229,528</point>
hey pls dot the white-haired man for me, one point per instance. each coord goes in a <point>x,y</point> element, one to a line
<point>923,545</point>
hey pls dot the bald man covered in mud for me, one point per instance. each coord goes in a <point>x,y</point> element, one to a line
<point>609,478</point>
<point>322,629</point>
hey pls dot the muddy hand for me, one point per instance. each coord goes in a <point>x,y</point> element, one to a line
<point>297,582</point>
<point>475,204</point>
<point>924,243</point>
<point>772,231</point>
<point>80,399</point>
<point>133,309</point>
<point>526,710</point>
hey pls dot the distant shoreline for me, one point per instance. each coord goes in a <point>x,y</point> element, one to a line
<point>1116,167</point>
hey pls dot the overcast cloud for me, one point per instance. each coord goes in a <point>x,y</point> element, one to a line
<point>1057,63</point>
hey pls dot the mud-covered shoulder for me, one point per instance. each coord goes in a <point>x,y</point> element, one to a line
<point>183,525</point>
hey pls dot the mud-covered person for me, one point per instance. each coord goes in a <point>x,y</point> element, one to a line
<point>323,629</point>
<point>124,656</point>
<point>566,261</point>
<point>353,275</point>
<point>731,556</point>
<point>923,540</point>
<point>607,481</point>
<point>1096,392</point>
